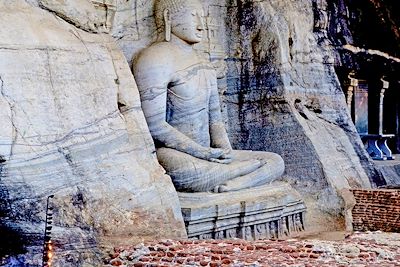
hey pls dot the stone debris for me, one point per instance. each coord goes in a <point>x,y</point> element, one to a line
<point>361,249</point>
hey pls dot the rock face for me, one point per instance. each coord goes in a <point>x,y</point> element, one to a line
<point>72,126</point>
<point>285,96</point>
<point>279,89</point>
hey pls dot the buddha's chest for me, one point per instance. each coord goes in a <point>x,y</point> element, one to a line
<point>193,84</point>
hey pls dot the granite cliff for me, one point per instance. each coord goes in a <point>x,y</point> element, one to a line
<point>72,125</point>
<point>280,93</point>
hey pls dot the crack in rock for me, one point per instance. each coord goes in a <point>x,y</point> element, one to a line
<point>11,106</point>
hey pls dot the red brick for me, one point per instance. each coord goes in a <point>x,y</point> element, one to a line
<point>116,262</point>
<point>226,261</point>
<point>203,263</point>
<point>215,257</point>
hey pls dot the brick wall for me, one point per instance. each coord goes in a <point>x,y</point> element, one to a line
<point>377,209</point>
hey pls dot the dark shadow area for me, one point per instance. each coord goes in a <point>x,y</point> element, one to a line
<point>11,240</point>
<point>372,24</point>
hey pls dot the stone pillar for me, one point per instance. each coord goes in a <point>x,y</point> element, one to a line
<point>385,86</point>
<point>350,90</point>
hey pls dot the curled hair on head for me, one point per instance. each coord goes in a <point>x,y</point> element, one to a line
<point>161,5</point>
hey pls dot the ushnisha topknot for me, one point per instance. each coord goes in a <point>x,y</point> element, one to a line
<point>172,5</point>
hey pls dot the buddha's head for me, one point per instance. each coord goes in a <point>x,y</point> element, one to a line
<point>184,19</point>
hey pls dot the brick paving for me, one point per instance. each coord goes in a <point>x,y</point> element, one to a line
<point>361,249</point>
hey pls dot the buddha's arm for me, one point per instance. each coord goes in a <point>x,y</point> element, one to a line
<point>154,108</point>
<point>219,137</point>
<point>152,83</point>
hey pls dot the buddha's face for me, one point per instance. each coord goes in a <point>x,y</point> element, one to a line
<point>188,22</point>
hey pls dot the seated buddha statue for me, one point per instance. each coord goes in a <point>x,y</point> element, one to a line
<point>180,101</point>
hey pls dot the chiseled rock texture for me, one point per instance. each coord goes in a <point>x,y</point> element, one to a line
<point>279,92</point>
<point>285,96</point>
<point>71,123</point>
<point>72,126</point>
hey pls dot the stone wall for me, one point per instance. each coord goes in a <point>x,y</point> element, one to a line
<point>376,210</point>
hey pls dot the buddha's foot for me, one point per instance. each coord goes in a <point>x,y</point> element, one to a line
<point>220,188</point>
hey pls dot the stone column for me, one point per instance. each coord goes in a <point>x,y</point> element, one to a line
<point>385,86</point>
<point>350,90</point>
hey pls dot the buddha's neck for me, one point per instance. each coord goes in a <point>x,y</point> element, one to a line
<point>185,46</point>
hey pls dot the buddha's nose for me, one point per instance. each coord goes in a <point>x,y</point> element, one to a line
<point>200,23</point>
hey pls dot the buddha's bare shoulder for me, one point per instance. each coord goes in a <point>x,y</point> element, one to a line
<point>160,53</point>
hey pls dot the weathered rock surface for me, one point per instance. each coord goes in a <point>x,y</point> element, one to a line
<point>80,13</point>
<point>71,125</point>
<point>270,211</point>
<point>279,90</point>
<point>286,97</point>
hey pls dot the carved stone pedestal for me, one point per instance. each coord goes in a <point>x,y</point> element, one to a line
<point>376,145</point>
<point>271,211</point>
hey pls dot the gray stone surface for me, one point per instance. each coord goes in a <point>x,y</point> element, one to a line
<point>62,131</point>
<point>391,170</point>
<point>81,13</point>
<point>269,211</point>
<point>278,90</point>
<point>71,125</point>
<point>179,95</point>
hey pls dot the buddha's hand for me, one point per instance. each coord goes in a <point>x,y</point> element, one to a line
<point>225,157</point>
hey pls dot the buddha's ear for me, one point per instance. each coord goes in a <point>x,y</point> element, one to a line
<point>167,25</point>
